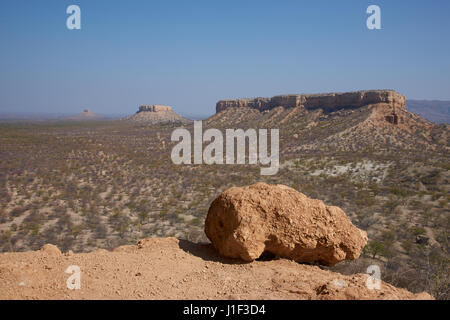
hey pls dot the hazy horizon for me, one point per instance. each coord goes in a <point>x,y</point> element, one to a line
<point>194,116</point>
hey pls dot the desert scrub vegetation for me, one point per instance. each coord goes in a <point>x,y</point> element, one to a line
<point>88,186</point>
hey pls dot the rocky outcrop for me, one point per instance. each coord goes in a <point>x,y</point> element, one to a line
<point>51,249</point>
<point>245,222</point>
<point>154,108</point>
<point>154,114</point>
<point>392,118</point>
<point>328,102</point>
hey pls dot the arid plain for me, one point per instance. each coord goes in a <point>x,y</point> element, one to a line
<point>87,185</point>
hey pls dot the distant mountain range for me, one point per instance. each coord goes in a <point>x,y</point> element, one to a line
<point>434,110</point>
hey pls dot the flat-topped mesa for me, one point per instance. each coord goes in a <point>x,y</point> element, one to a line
<point>154,108</point>
<point>326,101</point>
<point>154,114</point>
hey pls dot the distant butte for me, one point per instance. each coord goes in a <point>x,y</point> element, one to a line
<point>153,114</point>
<point>86,115</point>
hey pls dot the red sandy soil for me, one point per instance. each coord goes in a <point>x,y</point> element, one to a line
<point>168,268</point>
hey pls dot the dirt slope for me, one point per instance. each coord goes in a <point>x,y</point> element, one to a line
<point>167,268</point>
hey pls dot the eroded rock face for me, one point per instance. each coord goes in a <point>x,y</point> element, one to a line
<point>327,101</point>
<point>154,108</point>
<point>244,222</point>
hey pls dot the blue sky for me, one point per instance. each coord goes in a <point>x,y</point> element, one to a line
<point>190,54</point>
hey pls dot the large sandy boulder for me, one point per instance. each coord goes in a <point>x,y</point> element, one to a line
<point>244,222</point>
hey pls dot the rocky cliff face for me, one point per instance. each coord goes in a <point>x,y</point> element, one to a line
<point>328,101</point>
<point>154,108</point>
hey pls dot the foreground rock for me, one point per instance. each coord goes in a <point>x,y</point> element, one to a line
<point>176,269</point>
<point>245,222</point>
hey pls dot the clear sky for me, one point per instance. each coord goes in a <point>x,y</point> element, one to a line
<point>190,54</point>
